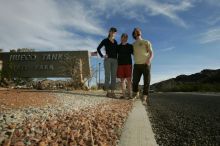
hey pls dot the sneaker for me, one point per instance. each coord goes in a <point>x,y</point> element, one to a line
<point>113,95</point>
<point>145,100</point>
<point>128,95</point>
<point>108,94</point>
<point>135,96</point>
<point>148,101</point>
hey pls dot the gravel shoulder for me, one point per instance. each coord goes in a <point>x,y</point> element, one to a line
<point>34,118</point>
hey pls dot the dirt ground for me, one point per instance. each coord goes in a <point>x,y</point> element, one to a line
<point>61,124</point>
<point>12,99</point>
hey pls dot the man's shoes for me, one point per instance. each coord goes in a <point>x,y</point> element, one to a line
<point>108,94</point>
<point>135,96</point>
<point>111,95</point>
<point>145,100</point>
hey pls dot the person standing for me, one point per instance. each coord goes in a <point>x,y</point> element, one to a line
<point>143,55</point>
<point>124,70</point>
<point>110,61</point>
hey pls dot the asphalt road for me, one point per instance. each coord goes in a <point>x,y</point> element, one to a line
<point>185,118</point>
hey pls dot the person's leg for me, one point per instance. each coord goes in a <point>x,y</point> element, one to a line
<point>137,72</point>
<point>147,77</point>
<point>114,66</point>
<point>129,86</point>
<point>107,74</point>
<point>123,87</point>
<point>128,71</point>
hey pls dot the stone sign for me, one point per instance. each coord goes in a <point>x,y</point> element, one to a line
<point>47,64</point>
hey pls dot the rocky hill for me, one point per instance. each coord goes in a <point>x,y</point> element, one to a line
<point>205,81</point>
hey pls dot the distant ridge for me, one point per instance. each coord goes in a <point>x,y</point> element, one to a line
<point>207,80</point>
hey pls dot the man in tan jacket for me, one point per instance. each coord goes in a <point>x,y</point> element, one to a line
<point>143,55</point>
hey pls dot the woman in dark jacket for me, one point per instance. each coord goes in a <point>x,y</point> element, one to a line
<point>110,61</point>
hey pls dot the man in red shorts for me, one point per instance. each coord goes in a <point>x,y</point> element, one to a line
<point>124,70</point>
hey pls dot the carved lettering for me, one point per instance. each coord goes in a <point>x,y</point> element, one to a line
<point>22,57</point>
<point>21,68</point>
<point>44,67</point>
<point>54,57</point>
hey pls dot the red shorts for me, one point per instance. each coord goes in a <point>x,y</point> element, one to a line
<point>124,71</point>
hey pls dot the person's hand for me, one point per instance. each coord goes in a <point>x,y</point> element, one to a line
<point>148,62</point>
<point>105,56</point>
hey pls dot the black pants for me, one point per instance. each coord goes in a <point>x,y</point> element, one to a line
<point>138,70</point>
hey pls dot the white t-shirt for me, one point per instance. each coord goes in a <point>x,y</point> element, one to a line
<point>140,51</point>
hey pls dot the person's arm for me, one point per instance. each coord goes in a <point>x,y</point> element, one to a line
<point>150,51</point>
<point>116,45</point>
<point>131,49</point>
<point>117,49</point>
<point>116,42</point>
<point>99,48</point>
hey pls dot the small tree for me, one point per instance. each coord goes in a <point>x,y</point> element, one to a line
<point>94,72</point>
<point>25,50</point>
<point>73,66</point>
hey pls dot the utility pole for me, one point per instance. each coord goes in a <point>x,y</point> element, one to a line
<point>99,74</point>
<point>96,74</point>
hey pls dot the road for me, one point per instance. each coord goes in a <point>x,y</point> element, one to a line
<point>185,118</point>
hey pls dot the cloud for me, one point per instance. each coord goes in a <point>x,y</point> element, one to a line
<point>136,9</point>
<point>210,36</point>
<point>213,20</point>
<point>47,25</point>
<point>73,25</point>
<point>213,2</point>
<point>169,10</point>
<point>167,49</point>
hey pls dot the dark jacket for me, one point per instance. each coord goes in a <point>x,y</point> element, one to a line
<point>124,54</point>
<point>110,48</point>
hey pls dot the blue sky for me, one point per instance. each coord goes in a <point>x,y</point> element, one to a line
<point>185,34</point>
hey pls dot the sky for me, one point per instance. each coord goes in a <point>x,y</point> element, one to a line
<point>185,35</point>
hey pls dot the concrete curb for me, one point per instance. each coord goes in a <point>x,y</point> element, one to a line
<point>137,130</point>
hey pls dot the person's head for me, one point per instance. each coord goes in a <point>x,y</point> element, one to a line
<point>124,38</point>
<point>136,33</point>
<point>112,32</point>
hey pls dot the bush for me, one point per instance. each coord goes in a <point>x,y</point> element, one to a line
<point>94,87</point>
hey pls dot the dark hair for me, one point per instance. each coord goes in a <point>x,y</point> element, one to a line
<point>124,35</point>
<point>133,33</point>
<point>112,29</point>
